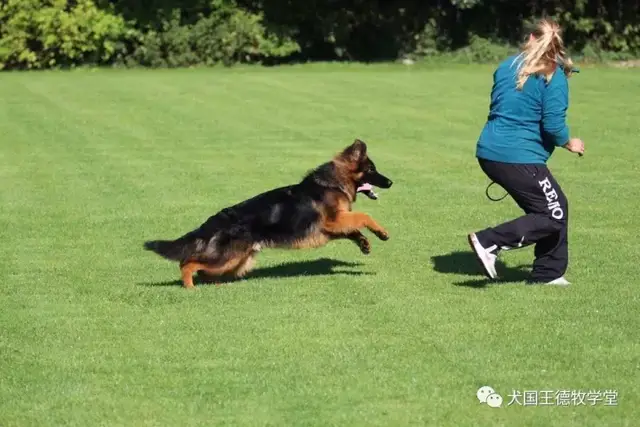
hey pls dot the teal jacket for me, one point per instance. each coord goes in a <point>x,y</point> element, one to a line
<point>524,126</point>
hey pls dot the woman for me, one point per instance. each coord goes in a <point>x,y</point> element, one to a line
<point>526,122</point>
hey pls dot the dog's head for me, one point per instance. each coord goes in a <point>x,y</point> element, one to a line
<point>362,169</point>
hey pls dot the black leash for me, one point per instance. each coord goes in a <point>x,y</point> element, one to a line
<point>489,197</point>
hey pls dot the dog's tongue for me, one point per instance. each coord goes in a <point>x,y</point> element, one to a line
<point>365,187</point>
<point>367,190</point>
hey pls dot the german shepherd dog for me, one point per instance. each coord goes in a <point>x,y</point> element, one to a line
<point>309,214</point>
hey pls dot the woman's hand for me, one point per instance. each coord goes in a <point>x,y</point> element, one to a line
<point>575,145</point>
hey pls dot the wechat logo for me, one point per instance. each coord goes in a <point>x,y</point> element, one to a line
<point>488,395</point>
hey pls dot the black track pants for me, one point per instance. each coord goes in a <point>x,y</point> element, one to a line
<point>544,224</point>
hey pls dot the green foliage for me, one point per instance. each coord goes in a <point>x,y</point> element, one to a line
<point>36,34</point>
<point>178,33</point>
<point>426,43</point>
<point>226,36</point>
<point>465,4</point>
<point>48,33</point>
<point>482,50</point>
<point>597,34</point>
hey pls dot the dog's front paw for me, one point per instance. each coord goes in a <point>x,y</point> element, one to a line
<point>365,246</point>
<point>382,235</point>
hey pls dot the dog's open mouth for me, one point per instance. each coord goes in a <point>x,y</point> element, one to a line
<point>367,190</point>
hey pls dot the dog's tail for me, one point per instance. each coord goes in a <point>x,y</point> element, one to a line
<point>175,250</point>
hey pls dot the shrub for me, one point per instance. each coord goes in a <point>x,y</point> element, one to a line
<point>481,50</point>
<point>171,33</point>
<point>50,33</point>
<point>226,36</point>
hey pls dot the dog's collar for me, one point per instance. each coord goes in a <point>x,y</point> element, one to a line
<point>352,197</point>
<point>340,188</point>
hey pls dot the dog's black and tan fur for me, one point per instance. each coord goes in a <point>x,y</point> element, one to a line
<point>305,215</point>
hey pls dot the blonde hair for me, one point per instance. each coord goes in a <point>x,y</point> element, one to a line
<point>543,52</point>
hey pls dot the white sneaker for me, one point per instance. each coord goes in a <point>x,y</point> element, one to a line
<point>560,281</point>
<point>484,255</point>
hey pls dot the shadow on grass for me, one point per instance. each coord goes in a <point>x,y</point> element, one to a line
<point>318,267</point>
<point>466,263</point>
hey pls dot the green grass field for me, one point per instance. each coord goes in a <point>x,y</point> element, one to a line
<point>96,331</point>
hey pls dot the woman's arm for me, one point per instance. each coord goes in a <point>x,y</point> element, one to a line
<point>555,102</point>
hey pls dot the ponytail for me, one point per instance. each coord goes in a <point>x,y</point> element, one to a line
<point>542,53</point>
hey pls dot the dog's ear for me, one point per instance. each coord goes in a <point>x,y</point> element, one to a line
<point>355,152</point>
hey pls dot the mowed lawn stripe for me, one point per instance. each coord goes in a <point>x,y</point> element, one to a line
<point>96,331</point>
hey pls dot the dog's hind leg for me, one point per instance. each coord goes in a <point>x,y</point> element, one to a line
<point>237,262</point>
<point>230,263</point>
<point>244,266</point>
<point>247,262</point>
<point>187,270</point>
